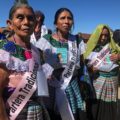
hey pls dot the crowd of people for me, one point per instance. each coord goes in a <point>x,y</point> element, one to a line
<point>48,75</point>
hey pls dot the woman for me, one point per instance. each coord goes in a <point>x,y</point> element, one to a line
<point>22,62</point>
<point>61,51</point>
<point>116,37</point>
<point>103,55</point>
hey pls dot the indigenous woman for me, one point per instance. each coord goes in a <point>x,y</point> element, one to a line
<point>20,67</point>
<point>61,52</point>
<point>103,55</point>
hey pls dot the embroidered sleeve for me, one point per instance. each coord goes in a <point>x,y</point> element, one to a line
<point>82,47</point>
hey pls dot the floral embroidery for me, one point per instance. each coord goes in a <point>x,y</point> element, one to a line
<point>10,47</point>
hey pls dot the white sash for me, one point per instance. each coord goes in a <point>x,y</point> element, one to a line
<point>61,99</point>
<point>100,56</point>
<point>25,89</point>
<point>68,72</point>
<point>101,60</point>
<point>22,94</point>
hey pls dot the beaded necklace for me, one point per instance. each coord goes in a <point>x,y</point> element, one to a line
<point>27,52</point>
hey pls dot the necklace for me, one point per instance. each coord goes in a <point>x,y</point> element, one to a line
<point>61,39</point>
<point>25,46</point>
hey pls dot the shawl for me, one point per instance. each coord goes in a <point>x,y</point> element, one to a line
<point>93,40</point>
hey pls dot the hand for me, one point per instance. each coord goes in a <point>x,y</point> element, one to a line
<point>51,77</point>
<point>3,114</point>
<point>3,77</point>
<point>94,69</point>
<point>115,57</point>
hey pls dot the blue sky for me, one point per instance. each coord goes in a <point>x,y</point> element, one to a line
<point>87,13</point>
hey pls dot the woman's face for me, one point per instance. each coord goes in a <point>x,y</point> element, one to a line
<point>23,22</point>
<point>64,22</point>
<point>104,37</point>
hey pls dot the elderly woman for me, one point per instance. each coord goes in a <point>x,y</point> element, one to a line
<point>102,56</point>
<point>20,68</point>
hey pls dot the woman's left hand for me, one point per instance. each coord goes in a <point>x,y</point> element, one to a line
<point>115,57</point>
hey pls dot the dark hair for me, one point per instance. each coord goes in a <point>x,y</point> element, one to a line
<point>38,13</point>
<point>18,4</point>
<point>59,11</point>
<point>116,36</point>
